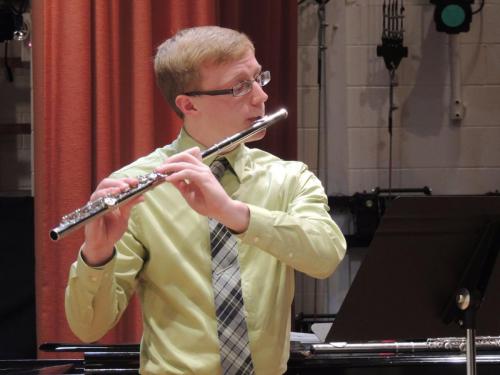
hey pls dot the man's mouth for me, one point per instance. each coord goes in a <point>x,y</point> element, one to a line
<point>254,119</point>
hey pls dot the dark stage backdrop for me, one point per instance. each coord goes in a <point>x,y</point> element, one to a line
<point>96,108</point>
<point>17,278</point>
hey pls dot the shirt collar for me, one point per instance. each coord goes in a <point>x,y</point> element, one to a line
<point>237,158</point>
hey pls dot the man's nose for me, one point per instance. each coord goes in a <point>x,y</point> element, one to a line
<point>258,94</point>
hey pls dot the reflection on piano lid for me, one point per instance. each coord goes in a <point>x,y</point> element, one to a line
<point>81,348</point>
<point>41,367</point>
<point>435,363</point>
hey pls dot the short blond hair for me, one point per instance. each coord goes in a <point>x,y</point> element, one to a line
<point>178,60</point>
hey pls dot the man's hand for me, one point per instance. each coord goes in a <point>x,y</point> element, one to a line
<point>202,191</point>
<point>102,233</point>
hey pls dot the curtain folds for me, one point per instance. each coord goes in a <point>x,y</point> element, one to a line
<point>96,108</point>
<point>272,26</point>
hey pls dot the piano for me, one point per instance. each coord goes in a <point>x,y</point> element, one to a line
<point>304,360</point>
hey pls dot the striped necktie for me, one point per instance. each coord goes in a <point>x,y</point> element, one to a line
<point>226,282</point>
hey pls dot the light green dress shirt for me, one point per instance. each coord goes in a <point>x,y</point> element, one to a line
<point>165,257</point>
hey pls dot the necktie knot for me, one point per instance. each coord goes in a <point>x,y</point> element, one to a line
<point>218,167</point>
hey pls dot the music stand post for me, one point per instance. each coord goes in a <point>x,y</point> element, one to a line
<point>464,304</point>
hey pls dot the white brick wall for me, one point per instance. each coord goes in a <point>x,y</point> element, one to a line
<point>426,143</point>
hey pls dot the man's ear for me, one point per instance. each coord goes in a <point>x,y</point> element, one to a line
<point>185,104</point>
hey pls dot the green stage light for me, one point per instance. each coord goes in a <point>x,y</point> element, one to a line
<point>452,16</point>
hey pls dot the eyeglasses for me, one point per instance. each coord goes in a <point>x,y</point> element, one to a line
<point>242,88</point>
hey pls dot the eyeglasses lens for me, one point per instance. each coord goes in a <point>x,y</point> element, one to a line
<point>245,87</point>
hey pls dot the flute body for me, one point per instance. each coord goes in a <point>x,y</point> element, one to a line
<point>102,205</point>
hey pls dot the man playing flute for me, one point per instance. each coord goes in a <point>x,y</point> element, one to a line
<point>212,252</point>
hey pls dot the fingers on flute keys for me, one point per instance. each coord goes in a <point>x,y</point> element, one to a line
<point>110,186</point>
<point>184,166</point>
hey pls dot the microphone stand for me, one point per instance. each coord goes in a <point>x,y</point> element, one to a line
<point>322,126</point>
<point>392,50</point>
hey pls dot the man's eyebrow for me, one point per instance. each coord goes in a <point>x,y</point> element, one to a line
<point>242,76</point>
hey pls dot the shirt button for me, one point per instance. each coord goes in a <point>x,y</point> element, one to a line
<point>290,255</point>
<point>93,278</point>
<point>256,240</point>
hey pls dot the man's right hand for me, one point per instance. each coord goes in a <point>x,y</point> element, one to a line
<point>102,233</point>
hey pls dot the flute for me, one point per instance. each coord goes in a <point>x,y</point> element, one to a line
<point>431,344</point>
<point>102,205</point>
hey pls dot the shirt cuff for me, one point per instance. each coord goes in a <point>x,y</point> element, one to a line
<point>94,276</point>
<point>258,233</point>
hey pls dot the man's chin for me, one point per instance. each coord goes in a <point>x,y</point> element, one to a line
<point>257,136</point>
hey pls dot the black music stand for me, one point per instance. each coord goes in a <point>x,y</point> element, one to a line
<point>426,252</point>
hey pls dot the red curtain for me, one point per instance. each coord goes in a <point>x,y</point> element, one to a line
<point>96,108</point>
<point>272,26</point>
